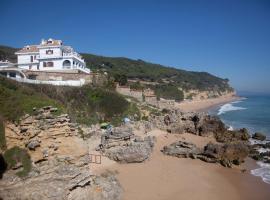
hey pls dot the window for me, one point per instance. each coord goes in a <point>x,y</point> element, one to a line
<point>30,66</point>
<point>49,52</point>
<point>12,74</point>
<point>31,58</point>
<point>66,64</point>
<point>47,64</point>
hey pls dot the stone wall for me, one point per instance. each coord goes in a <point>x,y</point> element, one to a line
<point>125,90</point>
<point>58,76</point>
<point>97,79</point>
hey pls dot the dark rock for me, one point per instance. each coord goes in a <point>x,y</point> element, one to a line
<point>225,154</point>
<point>230,136</point>
<point>33,144</point>
<point>259,136</point>
<point>182,150</point>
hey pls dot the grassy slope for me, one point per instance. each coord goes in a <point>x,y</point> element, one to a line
<point>85,104</point>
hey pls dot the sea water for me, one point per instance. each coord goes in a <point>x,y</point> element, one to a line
<point>251,112</point>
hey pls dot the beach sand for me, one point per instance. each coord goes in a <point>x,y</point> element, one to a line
<point>205,104</point>
<point>164,177</point>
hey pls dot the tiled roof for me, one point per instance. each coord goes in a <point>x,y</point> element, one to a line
<point>28,49</point>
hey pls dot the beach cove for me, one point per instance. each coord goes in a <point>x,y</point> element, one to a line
<point>165,177</point>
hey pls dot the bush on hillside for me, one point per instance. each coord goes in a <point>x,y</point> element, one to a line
<point>169,92</point>
<point>2,135</point>
<point>16,99</point>
<point>15,156</point>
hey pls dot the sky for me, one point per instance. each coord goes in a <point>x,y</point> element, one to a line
<point>227,38</point>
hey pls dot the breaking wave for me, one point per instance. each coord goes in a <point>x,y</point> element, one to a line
<point>229,107</point>
<point>263,172</point>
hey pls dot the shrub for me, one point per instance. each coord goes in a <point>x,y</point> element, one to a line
<point>2,135</point>
<point>16,155</point>
<point>169,91</point>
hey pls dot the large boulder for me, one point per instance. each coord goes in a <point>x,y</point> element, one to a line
<point>227,154</point>
<point>259,136</point>
<point>230,136</point>
<point>134,152</point>
<point>182,150</point>
<point>209,125</point>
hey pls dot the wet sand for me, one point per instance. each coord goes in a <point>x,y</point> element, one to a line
<point>168,178</point>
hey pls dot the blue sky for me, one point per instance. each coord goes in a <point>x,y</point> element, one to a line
<point>227,38</point>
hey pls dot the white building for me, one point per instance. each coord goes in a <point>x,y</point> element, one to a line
<point>50,55</point>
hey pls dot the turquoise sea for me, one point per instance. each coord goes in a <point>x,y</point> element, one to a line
<point>251,112</point>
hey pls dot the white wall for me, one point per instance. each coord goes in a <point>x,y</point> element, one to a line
<point>57,64</point>
<point>57,52</point>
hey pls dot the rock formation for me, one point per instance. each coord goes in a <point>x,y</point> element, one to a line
<point>56,180</point>
<point>259,136</point>
<point>200,124</point>
<point>46,135</point>
<point>121,145</point>
<point>182,150</point>
<point>60,161</point>
<point>225,154</point>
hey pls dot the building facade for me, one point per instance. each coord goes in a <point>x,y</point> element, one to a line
<point>50,55</point>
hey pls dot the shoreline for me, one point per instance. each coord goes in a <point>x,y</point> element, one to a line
<point>205,104</point>
<point>165,177</point>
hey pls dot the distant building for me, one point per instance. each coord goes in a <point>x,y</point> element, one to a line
<point>50,55</point>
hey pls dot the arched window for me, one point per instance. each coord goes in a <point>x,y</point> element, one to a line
<point>66,64</point>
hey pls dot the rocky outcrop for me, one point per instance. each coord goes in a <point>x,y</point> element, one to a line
<point>56,180</point>
<point>182,150</point>
<point>121,145</point>
<point>230,136</point>
<point>46,135</point>
<point>259,136</point>
<point>225,154</point>
<point>60,167</point>
<point>137,150</point>
<point>200,124</point>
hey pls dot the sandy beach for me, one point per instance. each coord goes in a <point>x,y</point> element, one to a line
<point>164,177</point>
<point>205,104</point>
<point>168,178</point>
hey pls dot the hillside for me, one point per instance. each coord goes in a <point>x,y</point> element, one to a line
<point>141,70</point>
<point>87,105</point>
<point>7,53</point>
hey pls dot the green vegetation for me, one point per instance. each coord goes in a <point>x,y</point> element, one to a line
<point>120,78</point>
<point>16,155</point>
<point>87,105</point>
<point>168,91</point>
<point>2,135</point>
<point>136,86</point>
<point>7,53</point>
<point>141,70</point>
<point>16,99</point>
